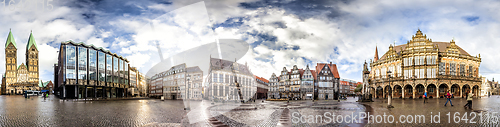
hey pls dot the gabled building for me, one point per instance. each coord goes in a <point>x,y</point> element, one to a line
<point>328,81</point>
<point>307,84</point>
<point>284,83</point>
<point>230,81</point>
<point>274,92</point>
<point>295,82</point>
<point>422,64</point>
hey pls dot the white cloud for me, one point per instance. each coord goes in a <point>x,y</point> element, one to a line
<point>350,39</point>
<point>49,28</point>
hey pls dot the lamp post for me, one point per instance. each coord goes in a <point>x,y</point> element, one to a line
<point>187,90</point>
<point>389,97</point>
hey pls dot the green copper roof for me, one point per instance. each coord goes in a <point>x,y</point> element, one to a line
<point>31,42</point>
<point>20,66</point>
<point>10,39</point>
<point>42,84</point>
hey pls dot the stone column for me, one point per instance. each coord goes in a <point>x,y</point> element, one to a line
<point>413,92</point>
<point>392,92</point>
<point>383,92</point>
<point>403,92</point>
<point>461,91</point>
<point>437,93</point>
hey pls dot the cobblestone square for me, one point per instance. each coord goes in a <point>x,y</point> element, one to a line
<point>36,111</point>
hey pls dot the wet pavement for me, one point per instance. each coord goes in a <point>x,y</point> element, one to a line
<point>481,115</point>
<point>18,111</point>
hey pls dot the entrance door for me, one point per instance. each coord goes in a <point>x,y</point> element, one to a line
<point>11,91</point>
<point>81,91</point>
<point>99,93</point>
<point>173,97</point>
<point>326,96</point>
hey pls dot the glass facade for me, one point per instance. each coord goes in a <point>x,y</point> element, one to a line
<point>122,72</point>
<point>89,72</point>
<point>70,62</point>
<point>102,66</point>
<point>82,63</point>
<point>109,62</point>
<point>115,70</point>
<point>92,64</point>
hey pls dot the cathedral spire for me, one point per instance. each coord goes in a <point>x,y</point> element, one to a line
<point>10,39</point>
<point>31,41</point>
<point>375,58</point>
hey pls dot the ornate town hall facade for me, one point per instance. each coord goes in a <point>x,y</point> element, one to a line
<point>421,64</point>
<point>25,76</point>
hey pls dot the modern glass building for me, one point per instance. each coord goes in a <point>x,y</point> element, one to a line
<point>86,71</point>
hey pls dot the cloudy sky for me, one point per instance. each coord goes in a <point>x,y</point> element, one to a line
<point>281,33</point>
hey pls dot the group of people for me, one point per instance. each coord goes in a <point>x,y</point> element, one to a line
<point>448,96</point>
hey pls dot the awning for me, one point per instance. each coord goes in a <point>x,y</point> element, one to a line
<point>44,91</point>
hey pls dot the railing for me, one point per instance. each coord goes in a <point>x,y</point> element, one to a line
<point>445,77</point>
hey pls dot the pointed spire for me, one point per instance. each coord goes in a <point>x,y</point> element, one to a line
<point>375,58</point>
<point>419,32</point>
<point>31,41</point>
<point>10,39</point>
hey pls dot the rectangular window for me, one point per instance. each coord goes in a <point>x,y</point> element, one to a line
<point>405,61</point>
<point>422,73</point>
<point>82,63</point>
<point>417,73</point>
<point>214,77</point>
<point>470,70</point>
<point>121,72</point>
<point>115,70</point>
<point>109,69</point>
<point>410,61</point>
<point>221,77</point>
<point>125,66</point>
<point>462,69</point>
<point>442,68</point>
<point>417,60</point>
<point>453,69</point>
<point>70,62</point>
<point>226,79</point>
<point>92,64</point>
<point>434,59</point>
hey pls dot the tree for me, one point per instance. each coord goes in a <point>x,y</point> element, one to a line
<point>359,88</point>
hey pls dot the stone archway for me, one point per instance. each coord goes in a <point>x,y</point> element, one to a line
<point>379,92</point>
<point>431,90</point>
<point>455,90</point>
<point>443,89</point>
<point>372,92</point>
<point>397,91</point>
<point>387,90</point>
<point>419,91</point>
<point>475,90</point>
<point>408,91</point>
<point>465,89</point>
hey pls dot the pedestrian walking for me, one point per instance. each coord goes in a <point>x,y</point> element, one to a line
<point>448,98</point>
<point>425,96</point>
<point>469,100</point>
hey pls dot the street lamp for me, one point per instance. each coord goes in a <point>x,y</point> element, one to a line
<point>389,97</point>
<point>187,90</point>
